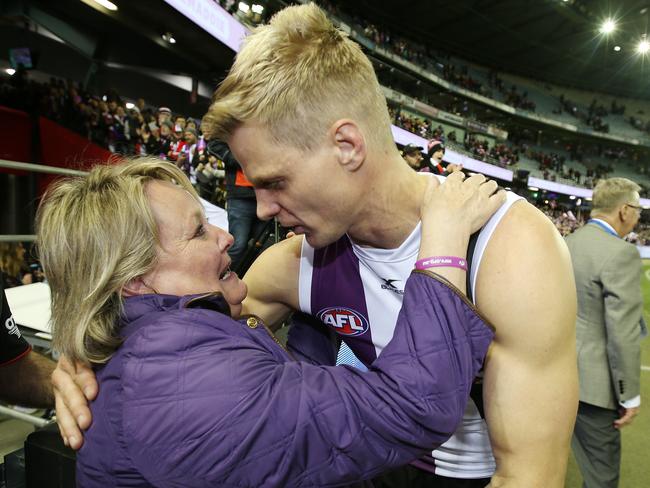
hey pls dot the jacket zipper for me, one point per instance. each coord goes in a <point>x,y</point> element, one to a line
<point>259,320</point>
<point>266,327</point>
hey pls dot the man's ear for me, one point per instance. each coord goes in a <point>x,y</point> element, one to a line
<point>135,287</point>
<point>350,144</point>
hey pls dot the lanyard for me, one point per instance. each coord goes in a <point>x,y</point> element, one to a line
<point>604,227</point>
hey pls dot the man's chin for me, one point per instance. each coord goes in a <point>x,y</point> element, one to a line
<point>318,240</point>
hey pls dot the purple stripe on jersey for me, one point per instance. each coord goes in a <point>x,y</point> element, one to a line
<point>338,298</point>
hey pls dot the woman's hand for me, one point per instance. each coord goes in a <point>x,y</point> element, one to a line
<point>451,212</point>
<point>460,203</point>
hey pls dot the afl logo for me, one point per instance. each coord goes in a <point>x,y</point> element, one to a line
<point>345,321</point>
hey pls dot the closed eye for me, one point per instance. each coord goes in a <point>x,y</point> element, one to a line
<point>271,185</point>
<point>200,231</point>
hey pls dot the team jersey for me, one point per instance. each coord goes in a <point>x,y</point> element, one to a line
<point>358,292</point>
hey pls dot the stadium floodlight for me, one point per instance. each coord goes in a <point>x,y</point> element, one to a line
<point>106,4</point>
<point>643,46</point>
<point>617,48</point>
<point>608,26</point>
<point>169,37</point>
<point>244,7</point>
<point>258,9</point>
<point>10,71</point>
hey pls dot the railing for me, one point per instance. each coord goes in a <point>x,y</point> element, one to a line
<point>36,168</point>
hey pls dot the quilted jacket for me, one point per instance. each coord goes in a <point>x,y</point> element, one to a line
<point>193,398</point>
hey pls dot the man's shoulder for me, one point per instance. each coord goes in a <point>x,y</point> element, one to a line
<point>523,220</point>
<point>524,241</point>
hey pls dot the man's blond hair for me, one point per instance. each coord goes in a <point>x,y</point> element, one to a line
<point>613,192</point>
<point>96,234</point>
<point>296,76</point>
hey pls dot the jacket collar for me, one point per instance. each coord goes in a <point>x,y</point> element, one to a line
<point>137,307</point>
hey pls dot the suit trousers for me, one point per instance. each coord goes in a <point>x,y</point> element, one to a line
<point>596,445</point>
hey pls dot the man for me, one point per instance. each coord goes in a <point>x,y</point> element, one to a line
<point>304,114</point>
<point>607,273</point>
<point>412,154</point>
<point>24,374</point>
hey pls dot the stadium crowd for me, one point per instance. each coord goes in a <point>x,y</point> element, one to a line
<point>122,127</point>
<point>139,129</point>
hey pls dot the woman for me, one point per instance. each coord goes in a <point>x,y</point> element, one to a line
<point>141,288</point>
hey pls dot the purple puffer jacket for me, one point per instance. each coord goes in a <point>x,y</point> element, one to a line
<point>193,398</point>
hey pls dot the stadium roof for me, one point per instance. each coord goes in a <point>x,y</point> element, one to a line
<point>553,40</point>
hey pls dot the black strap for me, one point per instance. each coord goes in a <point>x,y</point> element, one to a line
<point>470,257</point>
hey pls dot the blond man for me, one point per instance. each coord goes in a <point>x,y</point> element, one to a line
<point>305,116</point>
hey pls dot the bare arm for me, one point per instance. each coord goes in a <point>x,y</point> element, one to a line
<point>27,381</point>
<point>272,282</point>
<point>526,289</point>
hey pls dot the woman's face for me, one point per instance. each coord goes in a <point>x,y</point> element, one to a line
<point>192,257</point>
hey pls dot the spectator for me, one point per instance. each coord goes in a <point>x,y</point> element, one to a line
<point>412,154</point>
<point>12,265</point>
<point>241,204</point>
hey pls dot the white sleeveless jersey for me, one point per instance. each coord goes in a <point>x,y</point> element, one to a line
<point>358,292</point>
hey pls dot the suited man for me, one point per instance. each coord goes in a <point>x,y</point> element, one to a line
<point>607,272</point>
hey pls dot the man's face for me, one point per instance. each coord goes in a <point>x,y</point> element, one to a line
<point>190,138</point>
<point>308,191</point>
<point>413,159</point>
<point>437,156</point>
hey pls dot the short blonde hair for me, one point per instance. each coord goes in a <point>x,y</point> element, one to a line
<point>297,76</point>
<point>613,192</point>
<point>95,234</point>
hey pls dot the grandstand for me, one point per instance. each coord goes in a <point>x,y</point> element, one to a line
<point>544,106</point>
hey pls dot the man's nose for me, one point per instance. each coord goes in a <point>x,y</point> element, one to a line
<point>267,208</point>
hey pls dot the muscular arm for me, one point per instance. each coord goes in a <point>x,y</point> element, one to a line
<point>272,282</point>
<point>526,289</point>
<point>27,381</point>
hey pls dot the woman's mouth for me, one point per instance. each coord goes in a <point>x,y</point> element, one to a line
<point>226,274</point>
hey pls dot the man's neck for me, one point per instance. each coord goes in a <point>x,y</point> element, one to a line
<point>390,207</point>
<point>614,222</point>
